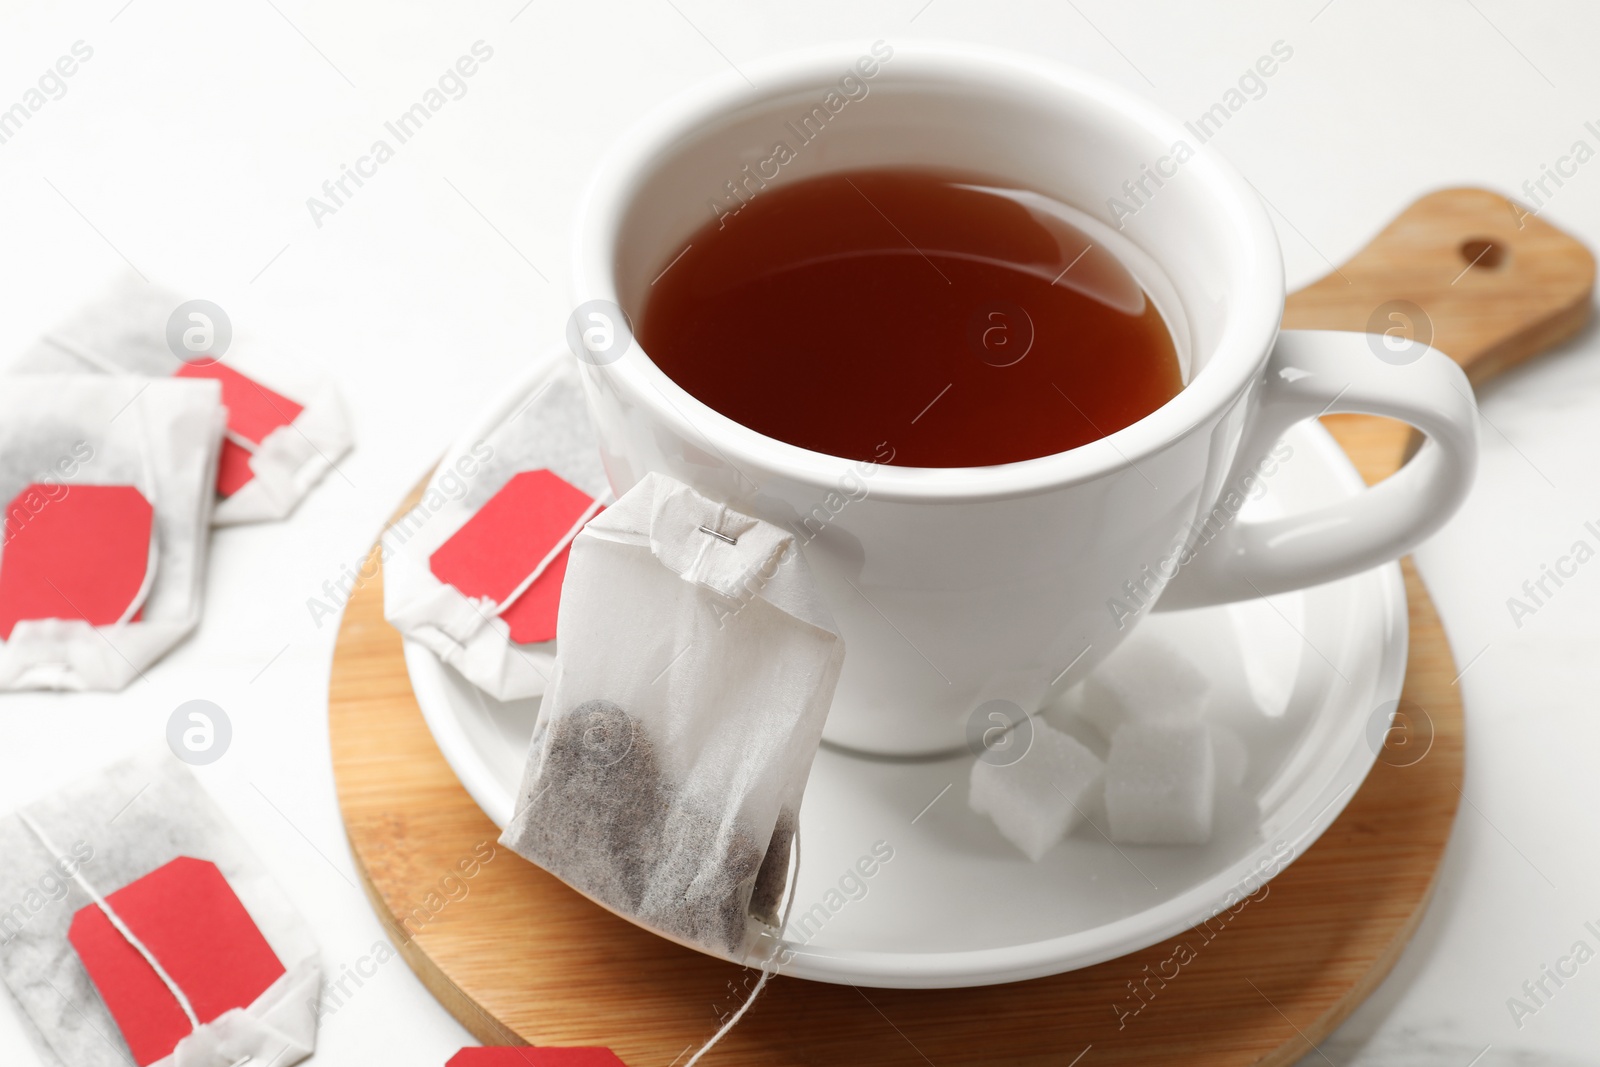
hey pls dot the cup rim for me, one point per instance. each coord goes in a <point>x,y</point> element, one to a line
<point>1251,326</point>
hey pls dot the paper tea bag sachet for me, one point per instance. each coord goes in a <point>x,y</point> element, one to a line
<point>278,445</point>
<point>140,929</point>
<point>474,571</point>
<point>696,663</point>
<point>106,486</point>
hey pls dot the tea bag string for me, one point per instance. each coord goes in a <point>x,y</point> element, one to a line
<point>550,557</point>
<point>94,359</point>
<point>116,921</point>
<point>101,363</point>
<point>767,968</point>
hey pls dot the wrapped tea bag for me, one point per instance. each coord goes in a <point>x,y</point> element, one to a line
<point>696,663</point>
<point>106,485</point>
<point>473,572</point>
<point>279,444</point>
<point>140,929</point>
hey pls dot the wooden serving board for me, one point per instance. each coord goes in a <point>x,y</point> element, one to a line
<point>522,959</point>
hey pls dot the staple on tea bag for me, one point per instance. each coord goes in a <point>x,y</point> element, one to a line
<point>473,571</point>
<point>66,443</point>
<point>696,663</point>
<point>276,448</point>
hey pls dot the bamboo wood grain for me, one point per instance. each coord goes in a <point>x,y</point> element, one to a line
<point>523,959</point>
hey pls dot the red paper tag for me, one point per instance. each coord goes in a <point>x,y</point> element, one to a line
<point>189,919</point>
<point>254,411</point>
<point>73,552</point>
<point>506,541</point>
<point>535,1057</point>
<point>233,468</point>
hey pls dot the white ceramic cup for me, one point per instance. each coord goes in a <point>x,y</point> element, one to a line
<point>957,587</point>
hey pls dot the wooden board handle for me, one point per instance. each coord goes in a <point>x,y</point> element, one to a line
<point>1475,275</point>
<point>1497,283</point>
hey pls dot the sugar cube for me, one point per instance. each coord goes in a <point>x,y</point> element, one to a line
<point>1147,679</point>
<point>1036,801</point>
<point>1159,783</point>
<point>1231,755</point>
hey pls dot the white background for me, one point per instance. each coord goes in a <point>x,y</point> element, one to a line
<point>188,145</point>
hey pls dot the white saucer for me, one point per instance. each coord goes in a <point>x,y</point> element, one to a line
<point>959,906</point>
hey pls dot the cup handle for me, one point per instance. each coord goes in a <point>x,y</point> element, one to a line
<point>1321,372</point>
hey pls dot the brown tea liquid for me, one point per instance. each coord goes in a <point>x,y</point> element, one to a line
<point>942,321</point>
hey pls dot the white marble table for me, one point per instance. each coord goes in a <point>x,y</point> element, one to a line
<point>187,145</point>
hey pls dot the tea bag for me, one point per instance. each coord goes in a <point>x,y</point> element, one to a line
<point>474,571</point>
<point>278,445</point>
<point>695,665</point>
<point>106,486</point>
<point>140,929</point>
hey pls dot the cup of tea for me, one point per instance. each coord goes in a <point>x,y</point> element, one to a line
<point>1000,343</point>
